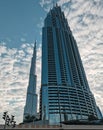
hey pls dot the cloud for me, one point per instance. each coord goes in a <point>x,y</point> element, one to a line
<point>86,25</point>
<point>46,4</point>
<point>40,25</point>
<point>62,2</point>
<point>85,18</point>
<point>14,77</point>
<point>23,39</point>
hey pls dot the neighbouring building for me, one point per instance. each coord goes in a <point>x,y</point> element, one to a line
<point>65,93</point>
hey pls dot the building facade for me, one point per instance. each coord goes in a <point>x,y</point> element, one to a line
<point>65,93</point>
<point>31,99</point>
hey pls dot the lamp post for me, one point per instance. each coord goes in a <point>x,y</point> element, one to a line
<point>59,107</point>
<point>8,121</point>
<point>5,118</point>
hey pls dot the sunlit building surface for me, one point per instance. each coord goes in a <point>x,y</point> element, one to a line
<point>65,93</point>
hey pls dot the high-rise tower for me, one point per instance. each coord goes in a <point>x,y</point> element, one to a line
<point>31,99</point>
<point>65,93</point>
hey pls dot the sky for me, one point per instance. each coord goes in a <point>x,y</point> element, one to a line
<point>21,23</point>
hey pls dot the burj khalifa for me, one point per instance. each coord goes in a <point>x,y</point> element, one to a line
<point>31,99</point>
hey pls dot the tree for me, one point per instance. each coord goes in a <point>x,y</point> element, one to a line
<point>8,121</point>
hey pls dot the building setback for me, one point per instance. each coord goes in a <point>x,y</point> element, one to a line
<point>65,93</point>
<point>31,99</point>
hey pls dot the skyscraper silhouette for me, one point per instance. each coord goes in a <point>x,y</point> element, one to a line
<point>65,93</point>
<point>31,99</point>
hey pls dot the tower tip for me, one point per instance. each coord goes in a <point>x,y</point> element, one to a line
<point>35,43</point>
<point>55,4</point>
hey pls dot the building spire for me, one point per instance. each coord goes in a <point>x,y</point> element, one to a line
<point>56,4</point>
<point>33,64</point>
<point>31,99</point>
<point>53,3</point>
<point>35,44</point>
<point>34,50</point>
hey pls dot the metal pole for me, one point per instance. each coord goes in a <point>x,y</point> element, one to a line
<point>5,123</point>
<point>59,107</point>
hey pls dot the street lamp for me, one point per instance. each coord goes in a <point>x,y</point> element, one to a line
<point>59,107</point>
<point>5,118</point>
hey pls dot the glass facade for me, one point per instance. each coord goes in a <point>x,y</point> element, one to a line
<point>65,93</point>
<point>31,99</point>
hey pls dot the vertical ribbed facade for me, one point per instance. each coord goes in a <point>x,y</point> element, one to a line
<point>65,94</point>
<point>31,98</point>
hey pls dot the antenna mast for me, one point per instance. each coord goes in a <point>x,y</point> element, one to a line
<point>53,3</point>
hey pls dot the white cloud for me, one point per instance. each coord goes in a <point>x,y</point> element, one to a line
<point>23,39</point>
<point>46,4</point>
<point>90,41</point>
<point>40,24</point>
<point>61,2</point>
<point>14,77</point>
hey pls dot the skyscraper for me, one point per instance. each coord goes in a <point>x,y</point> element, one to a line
<point>65,93</point>
<point>31,99</point>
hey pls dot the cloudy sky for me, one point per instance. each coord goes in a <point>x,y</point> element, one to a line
<point>21,23</point>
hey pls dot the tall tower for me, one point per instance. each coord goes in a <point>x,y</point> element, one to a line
<point>31,99</point>
<point>65,93</point>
